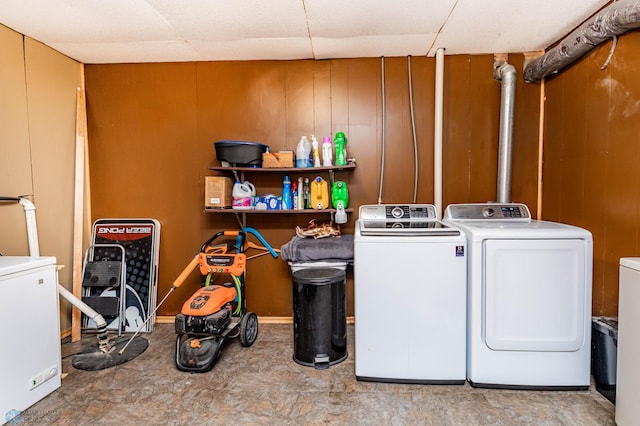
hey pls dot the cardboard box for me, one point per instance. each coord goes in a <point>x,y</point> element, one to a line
<point>217,191</point>
<point>272,160</point>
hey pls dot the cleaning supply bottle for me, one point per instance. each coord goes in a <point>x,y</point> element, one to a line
<point>319,194</point>
<point>241,198</point>
<point>315,151</point>
<point>303,152</point>
<point>306,195</point>
<point>294,195</point>
<point>251,187</point>
<point>340,145</point>
<point>287,202</point>
<point>301,205</point>
<point>339,194</point>
<point>327,156</point>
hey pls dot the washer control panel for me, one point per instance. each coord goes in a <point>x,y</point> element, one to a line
<point>489,211</point>
<point>393,212</point>
<point>402,220</point>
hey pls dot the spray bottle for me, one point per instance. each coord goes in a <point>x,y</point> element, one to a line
<point>296,199</point>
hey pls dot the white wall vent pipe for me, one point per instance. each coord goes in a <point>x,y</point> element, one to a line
<point>437,132</point>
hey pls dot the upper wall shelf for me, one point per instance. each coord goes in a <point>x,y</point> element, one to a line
<point>282,169</point>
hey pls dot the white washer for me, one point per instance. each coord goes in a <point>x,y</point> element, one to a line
<point>628,356</point>
<point>529,289</point>
<point>410,296</point>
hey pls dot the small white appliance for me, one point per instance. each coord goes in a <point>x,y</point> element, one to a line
<point>529,290</point>
<point>628,357</point>
<point>30,363</point>
<point>410,296</point>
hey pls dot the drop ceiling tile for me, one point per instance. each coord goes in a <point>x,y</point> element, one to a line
<point>345,19</point>
<point>508,26</point>
<point>108,53</point>
<point>234,19</point>
<point>372,46</point>
<point>255,49</point>
<point>86,21</point>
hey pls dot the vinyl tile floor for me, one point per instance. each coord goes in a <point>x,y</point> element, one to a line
<point>262,385</point>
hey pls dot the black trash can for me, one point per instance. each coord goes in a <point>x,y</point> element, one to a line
<point>319,317</point>
<point>604,352</point>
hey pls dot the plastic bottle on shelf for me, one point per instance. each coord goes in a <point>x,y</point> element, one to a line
<point>301,204</point>
<point>327,155</point>
<point>340,145</point>
<point>315,151</point>
<point>294,194</point>
<point>287,202</point>
<point>306,195</point>
<point>319,194</point>
<point>241,196</point>
<point>303,153</point>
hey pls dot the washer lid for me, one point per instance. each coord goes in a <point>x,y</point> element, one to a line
<point>631,262</point>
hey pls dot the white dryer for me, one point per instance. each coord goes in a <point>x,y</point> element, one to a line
<point>410,296</point>
<point>529,290</point>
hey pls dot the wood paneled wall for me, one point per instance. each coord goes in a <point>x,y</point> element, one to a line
<point>38,87</point>
<point>151,129</point>
<point>592,152</point>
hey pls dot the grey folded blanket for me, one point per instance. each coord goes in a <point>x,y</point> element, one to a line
<point>321,249</point>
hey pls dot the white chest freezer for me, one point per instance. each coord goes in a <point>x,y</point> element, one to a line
<point>30,362</point>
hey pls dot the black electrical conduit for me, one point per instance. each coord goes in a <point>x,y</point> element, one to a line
<point>614,20</point>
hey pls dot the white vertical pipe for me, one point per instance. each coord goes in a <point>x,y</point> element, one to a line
<point>437,132</point>
<point>32,229</point>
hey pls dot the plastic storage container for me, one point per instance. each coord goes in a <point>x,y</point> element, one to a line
<point>319,317</point>
<point>604,350</point>
<point>240,153</point>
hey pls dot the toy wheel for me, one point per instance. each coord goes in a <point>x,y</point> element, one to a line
<point>248,329</point>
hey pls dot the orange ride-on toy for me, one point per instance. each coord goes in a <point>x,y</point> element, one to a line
<point>216,311</point>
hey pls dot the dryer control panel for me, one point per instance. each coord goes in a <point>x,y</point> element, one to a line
<point>488,211</point>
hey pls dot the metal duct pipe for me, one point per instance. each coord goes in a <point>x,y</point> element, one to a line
<point>506,74</point>
<point>620,17</point>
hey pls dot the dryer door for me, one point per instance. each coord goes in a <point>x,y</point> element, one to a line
<point>534,295</point>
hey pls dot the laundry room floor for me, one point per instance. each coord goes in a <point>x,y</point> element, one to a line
<point>263,385</point>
